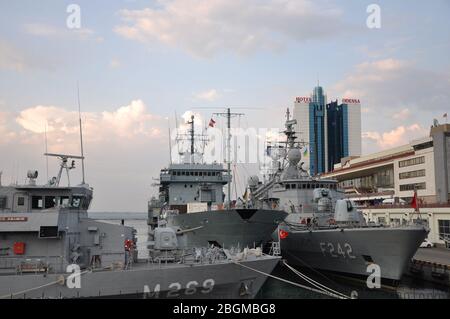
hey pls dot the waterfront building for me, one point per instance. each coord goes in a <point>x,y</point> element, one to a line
<point>383,183</point>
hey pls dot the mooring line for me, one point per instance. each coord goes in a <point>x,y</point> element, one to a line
<point>319,291</point>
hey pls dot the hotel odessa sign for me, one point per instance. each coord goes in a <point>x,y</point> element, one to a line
<point>350,101</point>
<point>303,99</point>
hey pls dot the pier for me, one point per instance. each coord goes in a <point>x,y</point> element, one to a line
<point>431,264</point>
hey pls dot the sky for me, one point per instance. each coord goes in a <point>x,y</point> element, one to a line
<point>141,64</point>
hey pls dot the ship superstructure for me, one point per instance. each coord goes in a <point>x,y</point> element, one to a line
<point>191,198</point>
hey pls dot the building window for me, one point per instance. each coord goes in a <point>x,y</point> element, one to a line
<point>20,201</point>
<point>410,187</point>
<point>64,201</point>
<point>50,201</point>
<point>444,227</point>
<point>36,202</point>
<point>3,202</point>
<point>412,174</point>
<point>412,161</point>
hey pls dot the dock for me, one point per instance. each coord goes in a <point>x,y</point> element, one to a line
<point>431,264</point>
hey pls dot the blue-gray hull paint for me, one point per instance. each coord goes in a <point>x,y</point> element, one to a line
<point>228,228</point>
<point>228,278</point>
<point>390,248</point>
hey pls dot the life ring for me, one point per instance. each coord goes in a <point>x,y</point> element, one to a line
<point>128,245</point>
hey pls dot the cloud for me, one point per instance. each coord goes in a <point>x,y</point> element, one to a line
<point>402,115</point>
<point>396,137</point>
<point>204,28</point>
<point>396,91</point>
<point>6,134</point>
<point>395,84</point>
<point>114,63</point>
<point>47,30</point>
<point>209,95</point>
<point>131,122</point>
<point>11,58</point>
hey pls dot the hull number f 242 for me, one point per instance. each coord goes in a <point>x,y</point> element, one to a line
<point>337,250</point>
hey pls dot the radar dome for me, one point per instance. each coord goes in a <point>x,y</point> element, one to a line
<point>32,174</point>
<point>253,181</point>
<point>294,156</point>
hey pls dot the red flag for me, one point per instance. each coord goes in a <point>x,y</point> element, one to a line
<point>211,123</point>
<point>414,203</point>
<point>283,234</point>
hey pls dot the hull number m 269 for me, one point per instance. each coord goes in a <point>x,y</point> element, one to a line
<point>175,288</point>
<point>337,250</point>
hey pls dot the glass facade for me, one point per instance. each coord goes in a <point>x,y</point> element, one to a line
<point>337,133</point>
<point>369,184</point>
<point>330,135</point>
<point>317,132</point>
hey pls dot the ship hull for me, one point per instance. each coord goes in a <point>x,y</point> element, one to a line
<point>227,228</point>
<point>209,281</point>
<point>351,251</point>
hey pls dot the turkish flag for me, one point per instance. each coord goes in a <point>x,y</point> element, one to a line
<point>211,123</point>
<point>414,203</point>
<point>283,234</point>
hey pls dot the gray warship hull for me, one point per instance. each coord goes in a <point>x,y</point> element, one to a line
<point>350,251</point>
<point>227,228</point>
<point>219,280</point>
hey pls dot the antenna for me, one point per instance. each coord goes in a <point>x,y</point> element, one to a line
<point>81,134</point>
<point>170,141</point>
<point>46,148</point>
<point>228,115</point>
<point>191,132</point>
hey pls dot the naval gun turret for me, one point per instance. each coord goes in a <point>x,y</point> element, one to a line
<point>346,213</point>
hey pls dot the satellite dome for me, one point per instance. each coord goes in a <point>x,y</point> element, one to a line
<point>253,181</point>
<point>294,156</point>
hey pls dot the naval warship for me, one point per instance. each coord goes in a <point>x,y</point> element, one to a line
<point>324,230</point>
<point>49,248</point>
<point>191,199</point>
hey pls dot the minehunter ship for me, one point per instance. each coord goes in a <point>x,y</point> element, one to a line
<point>323,229</point>
<point>191,199</point>
<point>49,248</point>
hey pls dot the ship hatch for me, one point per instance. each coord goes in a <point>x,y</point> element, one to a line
<point>246,213</point>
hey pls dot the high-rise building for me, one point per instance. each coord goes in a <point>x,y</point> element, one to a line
<point>331,131</point>
<point>343,130</point>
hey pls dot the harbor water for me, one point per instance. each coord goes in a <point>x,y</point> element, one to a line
<point>408,288</point>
